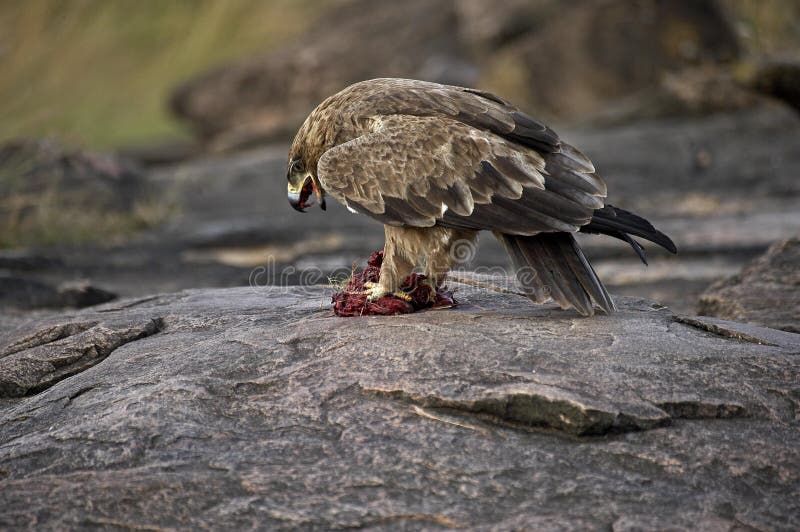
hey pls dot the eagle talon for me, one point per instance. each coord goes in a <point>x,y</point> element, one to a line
<point>375,291</point>
<point>432,293</point>
<point>402,295</point>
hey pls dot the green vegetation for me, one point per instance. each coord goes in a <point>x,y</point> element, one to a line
<point>98,73</point>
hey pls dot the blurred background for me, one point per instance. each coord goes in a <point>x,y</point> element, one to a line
<point>143,144</point>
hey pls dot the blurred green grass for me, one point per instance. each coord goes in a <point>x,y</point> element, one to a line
<point>98,73</point>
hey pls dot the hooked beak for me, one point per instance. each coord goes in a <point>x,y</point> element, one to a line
<point>302,197</point>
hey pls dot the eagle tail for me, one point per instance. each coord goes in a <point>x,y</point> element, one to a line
<point>552,266</point>
<point>621,224</point>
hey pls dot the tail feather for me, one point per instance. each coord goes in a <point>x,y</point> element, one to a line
<point>621,224</point>
<point>552,266</point>
<point>586,275</point>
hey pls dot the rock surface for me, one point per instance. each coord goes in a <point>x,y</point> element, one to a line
<point>779,78</point>
<point>579,59</point>
<point>766,292</point>
<point>243,408</point>
<point>25,293</point>
<point>486,26</point>
<point>705,90</point>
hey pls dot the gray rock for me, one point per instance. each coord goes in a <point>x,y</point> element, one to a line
<point>699,91</point>
<point>56,195</point>
<point>27,293</point>
<point>779,78</point>
<point>256,408</point>
<point>580,59</point>
<point>698,169</point>
<point>487,26</point>
<point>723,196</point>
<point>765,292</point>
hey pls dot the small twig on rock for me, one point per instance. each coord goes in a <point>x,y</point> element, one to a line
<point>424,413</point>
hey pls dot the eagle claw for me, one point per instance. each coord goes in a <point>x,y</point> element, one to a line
<point>375,291</point>
<point>430,283</point>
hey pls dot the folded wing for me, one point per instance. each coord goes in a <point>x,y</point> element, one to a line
<point>429,170</point>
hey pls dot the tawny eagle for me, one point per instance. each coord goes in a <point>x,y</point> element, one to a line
<point>436,164</point>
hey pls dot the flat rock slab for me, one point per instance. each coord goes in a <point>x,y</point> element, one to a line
<point>256,408</point>
<point>766,291</point>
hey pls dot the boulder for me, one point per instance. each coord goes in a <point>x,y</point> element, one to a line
<point>487,26</point>
<point>693,92</point>
<point>53,194</point>
<point>257,408</point>
<point>30,293</point>
<point>766,292</point>
<point>583,57</point>
<point>779,78</point>
<point>271,95</point>
<point>708,89</point>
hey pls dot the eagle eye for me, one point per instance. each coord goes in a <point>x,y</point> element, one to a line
<point>296,166</point>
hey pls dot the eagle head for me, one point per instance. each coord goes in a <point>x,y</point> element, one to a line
<point>303,184</point>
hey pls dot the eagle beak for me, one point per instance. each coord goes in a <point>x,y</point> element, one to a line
<point>300,193</point>
<point>302,196</point>
<point>294,201</point>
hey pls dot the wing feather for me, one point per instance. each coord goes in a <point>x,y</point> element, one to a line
<point>423,171</point>
<point>479,109</point>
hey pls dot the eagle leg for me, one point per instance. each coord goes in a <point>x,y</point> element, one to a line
<point>437,264</point>
<point>436,267</point>
<point>398,263</point>
<point>454,246</point>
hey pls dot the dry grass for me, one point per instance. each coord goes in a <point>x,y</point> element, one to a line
<point>46,221</point>
<point>767,27</point>
<point>98,73</point>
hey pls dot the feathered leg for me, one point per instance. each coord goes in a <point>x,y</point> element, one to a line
<point>399,260</point>
<point>406,246</point>
<point>452,246</point>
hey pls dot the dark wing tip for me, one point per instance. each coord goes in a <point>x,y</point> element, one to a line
<point>610,220</point>
<point>667,243</point>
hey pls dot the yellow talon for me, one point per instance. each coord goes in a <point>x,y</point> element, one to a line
<point>402,295</point>
<point>375,291</point>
